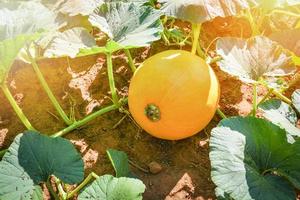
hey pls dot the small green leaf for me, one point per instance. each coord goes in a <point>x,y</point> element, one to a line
<point>31,159</point>
<point>108,187</point>
<point>254,58</point>
<point>296,99</point>
<point>281,114</point>
<point>110,47</point>
<point>119,160</point>
<point>197,12</point>
<point>252,159</point>
<point>128,23</point>
<point>69,42</point>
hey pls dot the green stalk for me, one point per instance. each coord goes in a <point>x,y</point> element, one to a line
<point>48,91</point>
<point>130,60</point>
<point>16,107</point>
<point>49,186</point>
<point>286,13</point>
<point>221,114</point>
<point>84,183</point>
<point>200,51</point>
<point>253,23</point>
<point>254,103</point>
<point>165,38</point>
<point>60,188</point>
<point>263,99</point>
<point>282,97</point>
<point>196,28</point>
<point>215,60</point>
<point>111,80</point>
<point>85,120</point>
<point>2,152</point>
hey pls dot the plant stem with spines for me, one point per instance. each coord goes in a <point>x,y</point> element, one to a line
<point>49,187</point>
<point>221,114</point>
<point>254,102</point>
<point>196,28</point>
<point>48,91</point>
<point>81,185</point>
<point>85,120</point>
<point>282,97</point>
<point>130,60</point>
<point>16,107</point>
<point>111,80</point>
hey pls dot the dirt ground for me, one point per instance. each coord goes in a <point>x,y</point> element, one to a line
<point>82,84</point>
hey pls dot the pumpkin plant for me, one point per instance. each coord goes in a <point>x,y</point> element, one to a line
<point>142,21</point>
<point>254,59</point>
<point>21,175</point>
<point>14,35</point>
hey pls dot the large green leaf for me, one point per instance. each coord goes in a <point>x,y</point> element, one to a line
<point>69,42</point>
<point>253,58</point>
<point>21,21</point>
<point>296,99</point>
<point>129,24</point>
<point>281,114</point>
<point>108,187</point>
<point>24,18</point>
<point>119,161</point>
<point>31,159</point>
<point>252,159</point>
<point>9,50</point>
<point>198,12</point>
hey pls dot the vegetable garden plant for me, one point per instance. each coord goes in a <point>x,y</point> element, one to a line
<point>172,95</point>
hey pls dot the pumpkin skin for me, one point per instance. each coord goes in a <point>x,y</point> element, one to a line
<point>173,95</point>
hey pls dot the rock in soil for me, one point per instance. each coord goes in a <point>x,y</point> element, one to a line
<point>155,167</point>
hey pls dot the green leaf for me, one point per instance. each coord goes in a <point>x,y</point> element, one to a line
<point>296,99</point>
<point>79,7</point>
<point>253,58</point>
<point>119,160</point>
<point>110,47</point>
<point>9,50</point>
<point>108,187</point>
<point>197,12</point>
<point>252,159</point>
<point>31,159</point>
<point>69,42</point>
<point>24,18</point>
<point>281,114</point>
<point>129,24</point>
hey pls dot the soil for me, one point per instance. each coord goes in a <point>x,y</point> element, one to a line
<point>81,85</point>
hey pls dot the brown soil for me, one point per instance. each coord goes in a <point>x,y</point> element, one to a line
<point>186,166</point>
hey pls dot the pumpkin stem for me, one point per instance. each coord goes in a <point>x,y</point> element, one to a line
<point>152,112</point>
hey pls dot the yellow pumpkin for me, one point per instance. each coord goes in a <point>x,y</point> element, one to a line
<point>173,95</point>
